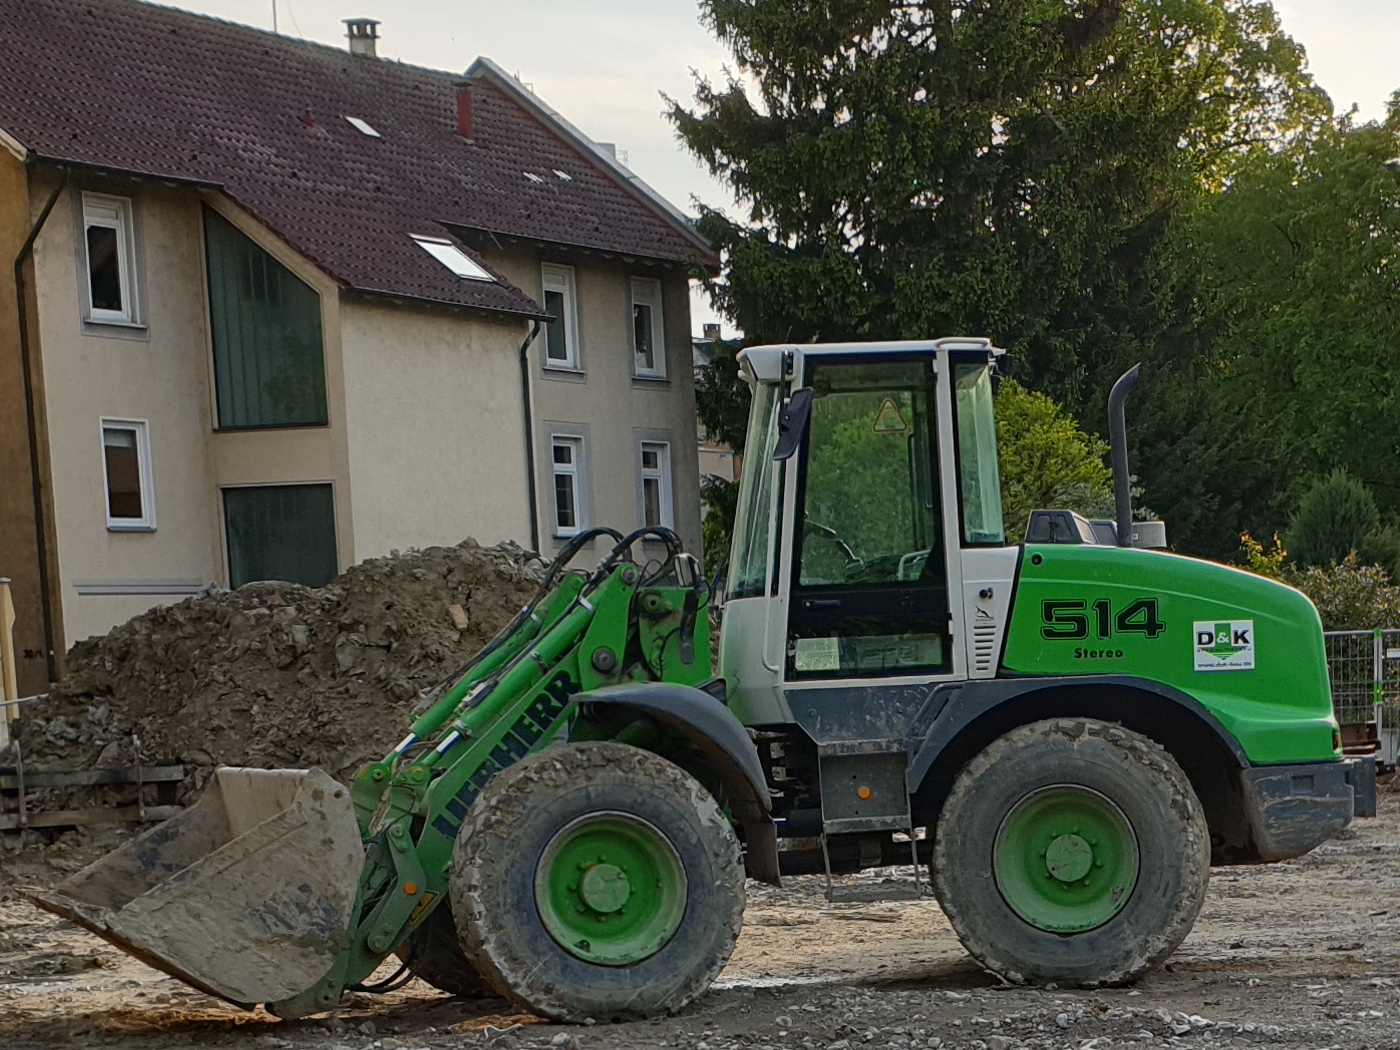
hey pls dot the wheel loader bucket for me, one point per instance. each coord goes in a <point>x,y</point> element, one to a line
<point>246,895</point>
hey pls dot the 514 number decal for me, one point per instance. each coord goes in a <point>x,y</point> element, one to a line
<point>1071,618</point>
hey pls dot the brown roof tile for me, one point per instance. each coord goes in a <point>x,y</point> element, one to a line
<point>130,86</point>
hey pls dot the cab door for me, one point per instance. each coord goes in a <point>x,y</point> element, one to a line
<point>868,586</point>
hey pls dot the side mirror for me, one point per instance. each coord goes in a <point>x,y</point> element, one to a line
<point>793,418</point>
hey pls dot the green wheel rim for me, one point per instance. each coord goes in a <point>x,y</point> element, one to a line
<point>1066,859</point>
<point>610,889</point>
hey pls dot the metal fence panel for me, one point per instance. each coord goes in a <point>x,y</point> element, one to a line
<point>1364,669</point>
<point>1353,669</point>
<point>1388,720</point>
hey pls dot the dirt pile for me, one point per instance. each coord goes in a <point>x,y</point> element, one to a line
<point>277,674</point>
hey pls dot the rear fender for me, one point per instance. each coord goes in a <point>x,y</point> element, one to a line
<point>719,753</point>
<point>955,708</point>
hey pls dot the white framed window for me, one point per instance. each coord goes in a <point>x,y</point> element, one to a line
<point>657,505</point>
<point>126,475</point>
<point>566,457</point>
<point>110,252</point>
<point>648,331</point>
<point>561,334</point>
<point>456,260</point>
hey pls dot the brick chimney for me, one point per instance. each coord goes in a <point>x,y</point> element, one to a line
<point>363,34</point>
<point>464,108</point>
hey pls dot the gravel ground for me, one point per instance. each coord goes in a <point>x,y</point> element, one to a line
<point>1302,955</point>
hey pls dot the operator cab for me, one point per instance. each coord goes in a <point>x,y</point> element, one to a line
<point>869,504</point>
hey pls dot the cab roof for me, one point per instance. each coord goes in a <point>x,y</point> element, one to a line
<point>764,364</point>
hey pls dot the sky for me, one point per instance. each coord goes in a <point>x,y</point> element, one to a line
<point>604,64</point>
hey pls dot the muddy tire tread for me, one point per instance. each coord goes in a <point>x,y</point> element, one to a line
<point>434,955</point>
<point>1133,751</point>
<point>510,962</point>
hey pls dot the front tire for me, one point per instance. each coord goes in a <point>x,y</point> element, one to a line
<point>1071,851</point>
<point>597,881</point>
<point>433,954</point>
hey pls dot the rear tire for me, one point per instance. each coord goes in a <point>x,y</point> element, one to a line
<point>1071,851</point>
<point>597,881</point>
<point>432,954</point>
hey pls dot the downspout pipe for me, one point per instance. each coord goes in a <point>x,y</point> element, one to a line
<point>530,437</point>
<point>1118,443</point>
<point>32,422</point>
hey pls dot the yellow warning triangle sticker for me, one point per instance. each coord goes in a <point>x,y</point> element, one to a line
<point>888,420</point>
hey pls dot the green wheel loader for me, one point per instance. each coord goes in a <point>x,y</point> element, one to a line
<point>1068,733</point>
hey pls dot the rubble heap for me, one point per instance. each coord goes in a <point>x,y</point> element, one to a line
<point>277,674</point>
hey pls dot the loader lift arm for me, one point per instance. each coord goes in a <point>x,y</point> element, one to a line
<point>282,888</point>
<point>622,624</point>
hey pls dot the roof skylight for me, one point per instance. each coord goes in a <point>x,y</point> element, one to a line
<point>362,127</point>
<point>564,176</point>
<point>456,260</point>
<point>533,177</point>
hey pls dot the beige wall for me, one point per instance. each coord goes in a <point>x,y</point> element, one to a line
<point>158,374</point>
<point>433,412</point>
<point>425,438</point>
<point>299,454</point>
<point>612,408</point>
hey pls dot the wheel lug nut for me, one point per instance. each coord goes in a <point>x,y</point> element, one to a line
<point>1098,864</point>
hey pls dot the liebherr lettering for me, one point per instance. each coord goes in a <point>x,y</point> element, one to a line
<point>534,722</point>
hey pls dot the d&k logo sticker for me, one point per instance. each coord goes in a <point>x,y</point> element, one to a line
<point>1224,645</point>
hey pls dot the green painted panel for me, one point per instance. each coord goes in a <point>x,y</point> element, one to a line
<point>265,326</point>
<point>1248,648</point>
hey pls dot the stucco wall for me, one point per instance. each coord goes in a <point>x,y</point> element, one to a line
<point>299,454</point>
<point>425,439</point>
<point>436,439</point>
<point>614,409</point>
<point>158,374</point>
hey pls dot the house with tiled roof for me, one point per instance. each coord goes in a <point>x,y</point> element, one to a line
<point>279,307</point>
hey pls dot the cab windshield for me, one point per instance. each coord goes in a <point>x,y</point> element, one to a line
<point>748,558</point>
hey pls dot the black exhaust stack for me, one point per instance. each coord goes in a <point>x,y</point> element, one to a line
<point>1118,443</point>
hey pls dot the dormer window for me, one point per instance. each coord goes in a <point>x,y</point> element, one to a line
<point>456,260</point>
<point>362,127</point>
